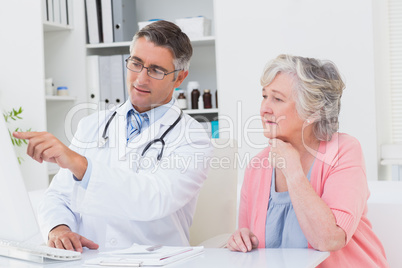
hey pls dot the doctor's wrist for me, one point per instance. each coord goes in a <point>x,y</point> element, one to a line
<point>79,167</point>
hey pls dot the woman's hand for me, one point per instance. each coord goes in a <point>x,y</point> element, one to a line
<point>285,157</point>
<point>242,240</point>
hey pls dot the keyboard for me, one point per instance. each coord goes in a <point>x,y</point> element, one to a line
<point>36,253</point>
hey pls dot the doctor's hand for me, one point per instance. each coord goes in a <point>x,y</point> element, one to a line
<point>62,237</point>
<point>43,146</point>
<point>242,240</point>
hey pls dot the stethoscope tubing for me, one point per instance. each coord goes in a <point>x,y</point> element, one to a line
<point>160,139</point>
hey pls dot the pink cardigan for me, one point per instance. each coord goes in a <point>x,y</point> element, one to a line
<point>339,178</point>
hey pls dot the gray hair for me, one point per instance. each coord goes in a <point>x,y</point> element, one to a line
<point>168,35</point>
<point>317,90</point>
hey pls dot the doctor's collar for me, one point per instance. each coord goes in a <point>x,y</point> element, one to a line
<point>154,114</point>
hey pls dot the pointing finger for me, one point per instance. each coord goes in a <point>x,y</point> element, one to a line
<point>25,135</point>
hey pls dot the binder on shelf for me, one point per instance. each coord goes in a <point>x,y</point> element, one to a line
<point>56,11</point>
<point>63,12</point>
<point>117,79</point>
<point>111,79</point>
<point>50,10</point>
<point>93,84</point>
<point>107,21</point>
<point>93,29</point>
<point>104,79</point>
<point>70,12</point>
<point>124,20</point>
<point>125,56</point>
<point>44,11</point>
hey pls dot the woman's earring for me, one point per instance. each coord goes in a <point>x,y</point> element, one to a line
<point>308,121</point>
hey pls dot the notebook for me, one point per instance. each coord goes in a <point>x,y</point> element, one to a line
<point>19,230</point>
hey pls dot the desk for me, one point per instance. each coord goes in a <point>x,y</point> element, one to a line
<point>214,258</point>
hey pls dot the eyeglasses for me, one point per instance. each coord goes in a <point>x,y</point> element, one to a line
<point>153,72</point>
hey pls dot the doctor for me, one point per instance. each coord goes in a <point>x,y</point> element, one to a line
<point>111,190</point>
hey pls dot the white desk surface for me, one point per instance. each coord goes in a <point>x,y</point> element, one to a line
<point>213,257</point>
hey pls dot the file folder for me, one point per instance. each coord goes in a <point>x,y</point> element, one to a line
<point>117,79</point>
<point>63,12</point>
<point>91,7</point>
<point>107,22</point>
<point>124,20</point>
<point>126,95</point>
<point>93,85</point>
<point>111,79</point>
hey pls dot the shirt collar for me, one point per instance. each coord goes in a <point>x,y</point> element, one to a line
<point>154,114</point>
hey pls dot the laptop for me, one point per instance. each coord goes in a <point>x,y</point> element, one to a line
<point>19,231</point>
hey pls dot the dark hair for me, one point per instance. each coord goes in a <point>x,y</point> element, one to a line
<point>167,34</point>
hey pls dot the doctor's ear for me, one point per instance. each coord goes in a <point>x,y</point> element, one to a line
<point>180,78</point>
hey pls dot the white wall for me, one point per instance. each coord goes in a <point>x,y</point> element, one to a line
<point>22,74</point>
<point>382,80</point>
<point>250,33</point>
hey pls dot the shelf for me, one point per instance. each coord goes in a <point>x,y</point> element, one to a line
<point>201,111</point>
<point>391,162</point>
<point>60,98</point>
<point>204,41</point>
<point>51,27</point>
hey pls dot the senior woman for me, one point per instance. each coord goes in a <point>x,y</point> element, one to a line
<point>314,191</point>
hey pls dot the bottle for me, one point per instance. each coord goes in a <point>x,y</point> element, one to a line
<point>176,92</point>
<point>195,94</point>
<point>190,86</point>
<point>207,97</point>
<point>181,99</point>
<point>216,98</point>
<point>62,91</point>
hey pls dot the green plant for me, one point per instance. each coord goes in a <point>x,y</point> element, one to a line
<point>15,115</point>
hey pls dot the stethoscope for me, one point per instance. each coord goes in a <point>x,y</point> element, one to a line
<point>160,139</point>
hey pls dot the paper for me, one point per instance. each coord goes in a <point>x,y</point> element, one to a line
<point>140,251</point>
<point>139,255</point>
<point>135,249</point>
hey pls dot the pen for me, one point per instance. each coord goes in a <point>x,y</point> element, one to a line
<point>153,248</point>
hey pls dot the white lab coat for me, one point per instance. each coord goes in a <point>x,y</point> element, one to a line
<point>122,203</point>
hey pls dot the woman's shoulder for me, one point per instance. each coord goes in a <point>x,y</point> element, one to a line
<point>342,148</point>
<point>343,141</point>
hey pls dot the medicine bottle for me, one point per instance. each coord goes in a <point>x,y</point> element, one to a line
<point>62,91</point>
<point>195,94</point>
<point>182,101</point>
<point>207,97</point>
<point>216,98</point>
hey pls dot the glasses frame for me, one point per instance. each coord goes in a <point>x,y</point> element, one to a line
<point>142,67</point>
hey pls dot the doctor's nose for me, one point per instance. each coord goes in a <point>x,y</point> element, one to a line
<point>143,77</point>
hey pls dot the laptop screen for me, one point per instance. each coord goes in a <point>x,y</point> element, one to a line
<point>17,220</point>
